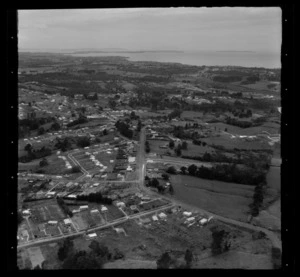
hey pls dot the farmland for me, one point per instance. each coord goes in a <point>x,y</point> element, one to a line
<point>218,197</point>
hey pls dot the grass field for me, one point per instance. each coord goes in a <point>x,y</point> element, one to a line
<point>228,142</point>
<point>154,147</point>
<point>197,150</point>
<point>36,256</point>
<point>227,199</point>
<point>273,178</point>
<point>237,260</point>
<point>56,166</point>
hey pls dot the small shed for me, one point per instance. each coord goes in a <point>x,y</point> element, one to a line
<point>93,235</point>
<point>120,204</point>
<point>154,218</point>
<point>162,216</point>
<point>203,221</point>
<point>67,221</point>
<point>104,209</point>
<point>190,219</point>
<point>187,213</point>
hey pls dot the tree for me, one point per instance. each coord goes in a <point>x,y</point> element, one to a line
<point>99,249</point>
<point>139,126</point>
<point>83,260</point>
<point>41,131</point>
<point>83,142</point>
<point>171,189</point>
<point>220,242</point>
<point>65,249</point>
<point>118,254</point>
<point>154,182</point>
<point>112,103</point>
<point>20,218</point>
<point>165,176</point>
<point>55,126</point>
<point>192,169</point>
<point>132,115</point>
<point>164,261</point>
<point>44,162</point>
<point>28,148</point>
<point>276,257</point>
<point>188,257</point>
<point>75,169</point>
<point>183,169</point>
<point>184,145</point>
<point>171,144</point>
<point>105,132</point>
<point>171,170</point>
<point>178,150</point>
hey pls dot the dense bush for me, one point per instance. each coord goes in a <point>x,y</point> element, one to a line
<point>64,207</point>
<point>95,197</point>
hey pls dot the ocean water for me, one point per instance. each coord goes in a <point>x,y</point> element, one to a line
<point>199,58</point>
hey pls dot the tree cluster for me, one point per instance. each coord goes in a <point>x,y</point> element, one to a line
<point>83,142</point>
<point>147,146</point>
<point>258,198</point>
<point>180,133</point>
<point>221,241</point>
<point>64,206</point>
<point>238,123</point>
<point>34,153</point>
<point>199,142</point>
<point>43,162</point>
<point>153,182</point>
<point>174,114</point>
<point>124,129</point>
<point>63,144</point>
<point>96,197</point>
<point>80,120</point>
<point>228,173</point>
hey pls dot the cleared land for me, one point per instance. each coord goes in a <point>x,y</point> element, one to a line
<point>227,199</point>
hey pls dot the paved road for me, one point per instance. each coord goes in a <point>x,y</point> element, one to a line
<point>112,223</point>
<point>141,158</point>
<point>271,235</point>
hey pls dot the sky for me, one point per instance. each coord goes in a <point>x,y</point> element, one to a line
<point>185,29</point>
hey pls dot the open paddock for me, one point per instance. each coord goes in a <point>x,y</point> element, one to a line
<point>155,146</point>
<point>52,230</point>
<point>36,256</point>
<point>227,199</point>
<point>226,141</point>
<point>196,150</point>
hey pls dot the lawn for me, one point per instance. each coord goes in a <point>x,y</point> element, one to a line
<point>227,199</point>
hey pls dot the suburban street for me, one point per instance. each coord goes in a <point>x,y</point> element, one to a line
<point>112,223</point>
<point>141,161</point>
